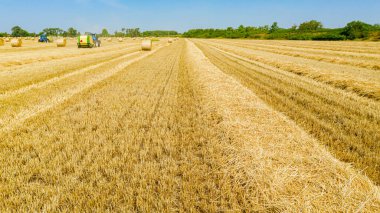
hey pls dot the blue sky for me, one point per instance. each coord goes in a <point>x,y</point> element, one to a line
<point>93,15</point>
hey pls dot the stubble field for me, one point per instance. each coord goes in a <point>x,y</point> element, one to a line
<point>196,125</point>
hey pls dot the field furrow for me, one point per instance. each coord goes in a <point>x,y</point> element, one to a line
<point>49,52</point>
<point>349,47</point>
<point>327,113</point>
<point>14,79</point>
<point>362,81</point>
<point>335,57</point>
<point>60,78</point>
<point>19,105</point>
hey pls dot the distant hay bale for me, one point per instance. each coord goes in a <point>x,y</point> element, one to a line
<point>7,39</point>
<point>61,42</point>
<point>120,40</point>
<point>146,45</point>
<point>16,42</point>
<point>170,40</point>
<point>109,39</point>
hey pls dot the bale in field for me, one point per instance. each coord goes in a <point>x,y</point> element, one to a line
<point>120,40</point>
<point>109,39</point>
<point>1,42</point>
<point>170,40</point>
<point>146,45</point>
<point>61,42</point>
<point>7,39</point>
<point>16,42</point>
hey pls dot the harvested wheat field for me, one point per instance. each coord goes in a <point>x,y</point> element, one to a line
<point>192,125</point>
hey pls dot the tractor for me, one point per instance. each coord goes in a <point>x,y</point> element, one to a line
<point>89,41</point>
<point>44,38</point>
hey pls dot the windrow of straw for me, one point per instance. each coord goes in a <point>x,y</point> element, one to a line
<point>270,163</point>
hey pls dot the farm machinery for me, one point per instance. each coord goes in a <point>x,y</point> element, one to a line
<point>44,38</point>
<point>88,41</point>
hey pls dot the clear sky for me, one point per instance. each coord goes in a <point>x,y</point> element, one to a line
<point>180,15</point>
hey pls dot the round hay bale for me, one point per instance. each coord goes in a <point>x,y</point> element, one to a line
<point>61,42</point>
<point>146,45</point>
<point>1,42</point>
<point>170,40</point>
<point>120,40</point>
<point>109,39</point>
<point>7,40</point>
<point>16,42</point>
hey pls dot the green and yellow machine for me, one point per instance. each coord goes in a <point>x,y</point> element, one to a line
<point>88,41</point>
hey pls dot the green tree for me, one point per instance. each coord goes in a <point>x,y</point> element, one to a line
<point>105,33</point>
<point>4,34</point>
<point>241,32</point>
<point>356,29</point>
<point>312,25</point>
<point>71,32</point>
<point>17,31</point>
<point>53,32</point>
<point>132,32</point>
<point>230,32</point>
<point>119,34</point>
<point>162,33</point>
<point>274,28</point>
<point>293,28</point>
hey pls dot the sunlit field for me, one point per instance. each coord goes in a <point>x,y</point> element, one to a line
<point>193,125</point>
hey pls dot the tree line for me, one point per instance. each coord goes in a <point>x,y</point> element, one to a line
<point>135,32</point>
<point>310,30</point>
<point>17,31</point>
